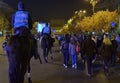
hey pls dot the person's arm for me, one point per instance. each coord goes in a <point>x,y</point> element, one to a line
<point>30,22</point>
<point>42,31</point>
<point>50,30</point>
<point>13,20</point>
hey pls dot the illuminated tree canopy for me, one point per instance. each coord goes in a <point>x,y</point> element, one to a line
<point>100,20</point>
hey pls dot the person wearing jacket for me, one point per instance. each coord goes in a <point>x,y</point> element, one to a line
<point>114,52</point>
<point>89,49</point>
<point>65,50</point>
<point>46,30</point>
<point>21,19</point>
<point>72,52</point>
<point>22,22</point>
<point>106,51</point>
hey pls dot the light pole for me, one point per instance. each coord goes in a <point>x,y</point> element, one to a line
<point>93,2</point>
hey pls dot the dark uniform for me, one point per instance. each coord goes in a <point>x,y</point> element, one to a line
<point>22,22</point>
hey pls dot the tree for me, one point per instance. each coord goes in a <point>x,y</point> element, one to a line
<point>34,27</point>
<point>100,20</point>
<point>5,16</point>
<point>4,22</point>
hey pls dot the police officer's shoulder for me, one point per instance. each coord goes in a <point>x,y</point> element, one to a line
<point>22,11</point>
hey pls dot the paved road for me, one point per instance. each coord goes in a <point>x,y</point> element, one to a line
<point>54,72</point>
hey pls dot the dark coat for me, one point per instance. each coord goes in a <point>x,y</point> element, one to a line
<point>114,45</point>
<point>88,47</point>
<point>106,51</point>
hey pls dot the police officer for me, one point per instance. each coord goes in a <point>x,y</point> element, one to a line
<point>46,30</point>
<point>21,21</point>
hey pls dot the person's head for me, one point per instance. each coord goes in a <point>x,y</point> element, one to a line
<point>21,5</point>
<point>106,40</point>
<point>47,24</point>
<point>67,37</point>
<point>72,40</point>
<point>105,35</point>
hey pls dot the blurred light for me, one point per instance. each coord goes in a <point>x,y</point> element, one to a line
<point>84,11</point>
<point>40,27</point>
<point>76,12</point>
<point>112,24</point>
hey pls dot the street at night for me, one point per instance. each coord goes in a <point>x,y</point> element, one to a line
<point>59,41</point>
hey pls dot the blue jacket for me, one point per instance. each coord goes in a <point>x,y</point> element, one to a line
<point>46,30</point>
<point>21,19</point>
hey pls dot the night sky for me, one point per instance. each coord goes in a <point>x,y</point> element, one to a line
<point>50,9</point>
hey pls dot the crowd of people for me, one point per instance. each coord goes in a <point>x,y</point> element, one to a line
<point>89,47</point>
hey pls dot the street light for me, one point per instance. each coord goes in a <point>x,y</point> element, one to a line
<point>81,13</point>
<point>93,2</point>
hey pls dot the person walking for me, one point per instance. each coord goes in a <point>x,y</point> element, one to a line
<point>65,50</point>
<point>88,48</point>
<point>106,51</point>
<point>114,52</point>
<point>72,52</point>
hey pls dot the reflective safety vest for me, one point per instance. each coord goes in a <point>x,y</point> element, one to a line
<point>46,30</point>
<point>21,19</point>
